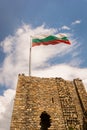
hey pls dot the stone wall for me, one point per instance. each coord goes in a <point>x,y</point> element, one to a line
<point>64,102</point>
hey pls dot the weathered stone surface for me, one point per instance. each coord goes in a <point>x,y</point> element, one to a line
<point>64,101</point>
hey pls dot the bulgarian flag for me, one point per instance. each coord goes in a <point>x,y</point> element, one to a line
<point>50,40</point>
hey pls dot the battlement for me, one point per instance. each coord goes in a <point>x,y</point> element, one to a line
<point>49,103</point>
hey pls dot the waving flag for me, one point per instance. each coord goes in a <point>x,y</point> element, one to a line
<point>47,40</point>
<point>50,40</point>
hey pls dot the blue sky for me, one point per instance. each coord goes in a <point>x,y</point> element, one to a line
<point>54,13</point>
<point>21,18</point>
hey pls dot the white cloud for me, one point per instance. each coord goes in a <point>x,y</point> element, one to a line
<point>64,28</point>
<point>16,61</point>
<point>62,70</point>
<point>76,22</point>
<point>6,103</point>
<point>75,62</point>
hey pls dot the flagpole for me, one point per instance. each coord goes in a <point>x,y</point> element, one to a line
<point>30,56</point>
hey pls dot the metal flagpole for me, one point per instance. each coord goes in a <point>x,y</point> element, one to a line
<point>30,56</point>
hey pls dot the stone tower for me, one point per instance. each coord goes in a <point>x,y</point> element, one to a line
<point>49,104</point>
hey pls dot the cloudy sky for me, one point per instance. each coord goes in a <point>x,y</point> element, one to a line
<point>19,19</point>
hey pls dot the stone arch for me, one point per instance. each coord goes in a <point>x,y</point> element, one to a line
<point>45,121</point>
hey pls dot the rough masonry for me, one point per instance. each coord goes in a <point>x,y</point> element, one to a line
<point>49,104</point>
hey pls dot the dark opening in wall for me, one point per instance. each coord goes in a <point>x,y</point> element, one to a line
<point>52,100</point>
<point>45,121</point>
